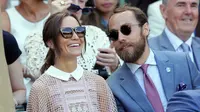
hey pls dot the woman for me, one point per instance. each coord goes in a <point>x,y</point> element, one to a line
<point>22,19</point>
<point>101,14</point>
<point>64,85</point>
<point>97,42</point>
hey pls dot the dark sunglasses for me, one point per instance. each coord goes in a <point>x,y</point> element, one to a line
<point>68,32</point>
<point>124,29</point>
<point>75,8</point>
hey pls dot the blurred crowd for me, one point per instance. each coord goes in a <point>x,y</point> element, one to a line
<point>81,55</point>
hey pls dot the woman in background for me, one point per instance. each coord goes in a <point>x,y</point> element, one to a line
<point>64,86</point>
<point>22,19</point>
<point>100,15</point>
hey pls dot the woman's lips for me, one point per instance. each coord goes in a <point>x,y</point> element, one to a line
<point>107,5</point>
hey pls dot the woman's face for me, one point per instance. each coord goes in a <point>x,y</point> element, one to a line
<point>70,47</point>
<point>105,6</point>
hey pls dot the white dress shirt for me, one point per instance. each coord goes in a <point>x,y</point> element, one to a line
<point>176,42</point>
<point>59,74</point>
<point>153,72</point>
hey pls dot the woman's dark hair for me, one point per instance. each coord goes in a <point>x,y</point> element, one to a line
<point>94,18</point>
<point>51,32</point>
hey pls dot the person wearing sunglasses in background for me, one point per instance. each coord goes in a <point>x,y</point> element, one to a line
<point>147,79</point>
<point>101,13</point>
<point>64,86</point>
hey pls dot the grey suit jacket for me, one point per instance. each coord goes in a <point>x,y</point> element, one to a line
<point>185,101</point>
<point>162,43</point>
<point>128,93</point>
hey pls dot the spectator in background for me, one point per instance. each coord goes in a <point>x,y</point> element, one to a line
<point>64,85</point>
<point>142,4</point>
<point>101,13</point>
<point>24,18</point>
<point>155,19</point>
<point>12,53</point>
<point>181,18</point>
<point>21,20</point>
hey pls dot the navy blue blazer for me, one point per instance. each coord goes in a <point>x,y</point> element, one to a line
<point>162,43</point>
<point>130,96</point>
<point>185,101</point>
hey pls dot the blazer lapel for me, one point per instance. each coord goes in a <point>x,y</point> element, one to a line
<point>196,53</point>
<point>165,43</point>
<point>132,87</point>
<point>166,71</point>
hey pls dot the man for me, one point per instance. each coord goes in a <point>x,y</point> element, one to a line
<point>185,101</point>
<point>181,17</point>
<point>136,88</point>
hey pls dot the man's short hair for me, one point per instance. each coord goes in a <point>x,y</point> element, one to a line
<point>139,14</point>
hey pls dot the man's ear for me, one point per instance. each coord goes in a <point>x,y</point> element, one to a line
<point>50,44</point>
<point>145,29</point>
<point>163,11</point>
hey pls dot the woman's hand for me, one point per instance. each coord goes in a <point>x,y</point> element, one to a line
<point>59,5</point>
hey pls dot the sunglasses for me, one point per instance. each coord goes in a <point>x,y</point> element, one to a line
<point>68,32</point>
<point>75,8</point>
<point>124,29</point>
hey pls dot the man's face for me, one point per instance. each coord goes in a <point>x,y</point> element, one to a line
<point>181,15</point>
<point>129,47</point>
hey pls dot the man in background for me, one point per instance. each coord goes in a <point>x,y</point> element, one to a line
<point>181,18</point>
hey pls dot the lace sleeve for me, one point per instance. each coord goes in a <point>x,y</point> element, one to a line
<point>112,103</point>
<point>36,52</point>
<point>38,99</point>
<point>106,99</point>
<point>100,39</point>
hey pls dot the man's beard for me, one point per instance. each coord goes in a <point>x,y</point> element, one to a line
<point>132,53</point>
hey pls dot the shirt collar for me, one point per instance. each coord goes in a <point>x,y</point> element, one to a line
<point>150,61</point>
<point>175,41</point>
<point>54,72</point>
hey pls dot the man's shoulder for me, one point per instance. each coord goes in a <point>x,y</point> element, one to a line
<point>185,100</point>
<point>154,39</point>
<point>194,94</point>
<point>115,77</point>
<point>155,42</point>
<point>196,39</point>
<point>174,57</point>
